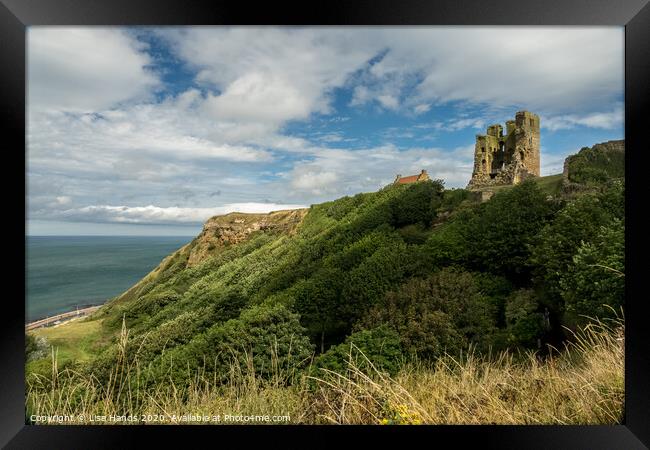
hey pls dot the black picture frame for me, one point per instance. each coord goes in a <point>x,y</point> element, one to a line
<point>16,15</point>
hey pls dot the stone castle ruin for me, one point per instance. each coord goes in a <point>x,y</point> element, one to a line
<point>507,159</point>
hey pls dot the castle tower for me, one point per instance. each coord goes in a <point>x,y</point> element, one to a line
<point>507,159</point>
<point>527,140</point>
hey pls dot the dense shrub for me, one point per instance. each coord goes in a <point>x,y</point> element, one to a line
<point>264,340</point>
<point>596,165</point>
<point>417,203</point>
<point>442,313</point>
<point>577,224</point>
<point>495,236</point>
<point>408,271</point>
<point>30,345</point>
<point>594,284</point>
<point>380,345</point>
<point>525,322</point>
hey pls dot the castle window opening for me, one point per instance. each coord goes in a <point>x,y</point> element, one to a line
<point>521,155</point>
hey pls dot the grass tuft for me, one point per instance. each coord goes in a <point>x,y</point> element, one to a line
<point>582,383</point>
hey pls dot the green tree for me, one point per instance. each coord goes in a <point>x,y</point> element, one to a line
<point>579,222</point>
<point>525,324</point>
<point>500,233</point>
<point>594,284</point>
<point>444,312</point>
<point>417,203</point>
<point>494,236</point>
<point>318,300</point>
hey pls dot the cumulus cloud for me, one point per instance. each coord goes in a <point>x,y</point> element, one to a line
<point>86,69</point>
<point>343,172</point>
<point>269,75</point>
<point>421,108</point>
<point>98,136</point>
<point>461,124</point>
<point>544,68</point>
<point>553,163</point>
<point>604,120</point>
<point>140,140</point>
<point>164,215</point>
<point>316,182</point>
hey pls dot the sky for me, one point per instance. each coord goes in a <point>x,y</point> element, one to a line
<point>152,130</point>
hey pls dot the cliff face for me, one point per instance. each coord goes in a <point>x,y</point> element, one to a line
<point>218,233</point>
<point>233,228</point>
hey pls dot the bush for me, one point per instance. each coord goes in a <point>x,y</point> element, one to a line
<point>453,198</point>
<point>577,223</point>
<point>598,164</point>
<point>417,203</point>
<point>494,236</point>
<point>264,340</point>
<point>30,345</point>
<point>594,284</point>
<point>380,345</point>
<point>414,234</point>
<point>442,313</point>
<point>525,323</point>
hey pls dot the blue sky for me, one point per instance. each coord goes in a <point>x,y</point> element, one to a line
<point>151,131</point>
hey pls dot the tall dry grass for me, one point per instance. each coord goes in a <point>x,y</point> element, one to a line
<point>580,384</point>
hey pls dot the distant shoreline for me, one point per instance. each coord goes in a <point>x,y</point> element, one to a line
<point>66,272</point>
<point>60,318</point>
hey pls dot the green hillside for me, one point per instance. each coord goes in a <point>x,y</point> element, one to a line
<point>409,273</point>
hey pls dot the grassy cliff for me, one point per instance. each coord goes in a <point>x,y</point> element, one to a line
<point>410,276</point>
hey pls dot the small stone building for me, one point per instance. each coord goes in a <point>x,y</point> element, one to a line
<point>501,159</point>
<point>423,176</point>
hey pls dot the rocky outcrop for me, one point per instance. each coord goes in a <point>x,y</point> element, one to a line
<point>606,157</point>
<point>222,231</point>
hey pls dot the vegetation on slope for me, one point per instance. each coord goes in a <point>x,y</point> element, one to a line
<point>596,165</point>
<point>411,274</point>
<point>582,384</point>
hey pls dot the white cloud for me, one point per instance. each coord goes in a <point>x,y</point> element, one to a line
<point>461,124</point>
<point>551,164</point>
<point>422,108</point>
<point>269,75</point>
<point>85,69</point>
<point>388,101</point>
<point>63,200</point>
<point>337,172</point>
<point>97,136</point>
<point>539,68</point>
<point>259,98</point>
<point>604,120</point>
<point>315,182</point>
<point>138,137</point>
<point>164,215</point>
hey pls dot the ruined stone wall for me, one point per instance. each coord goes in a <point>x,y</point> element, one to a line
<point>507,159</point>
<point>527,140</point>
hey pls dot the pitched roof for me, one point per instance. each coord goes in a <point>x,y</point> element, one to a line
<point>410,179</point>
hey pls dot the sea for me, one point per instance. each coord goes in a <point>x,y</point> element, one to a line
<point>68,272</point>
